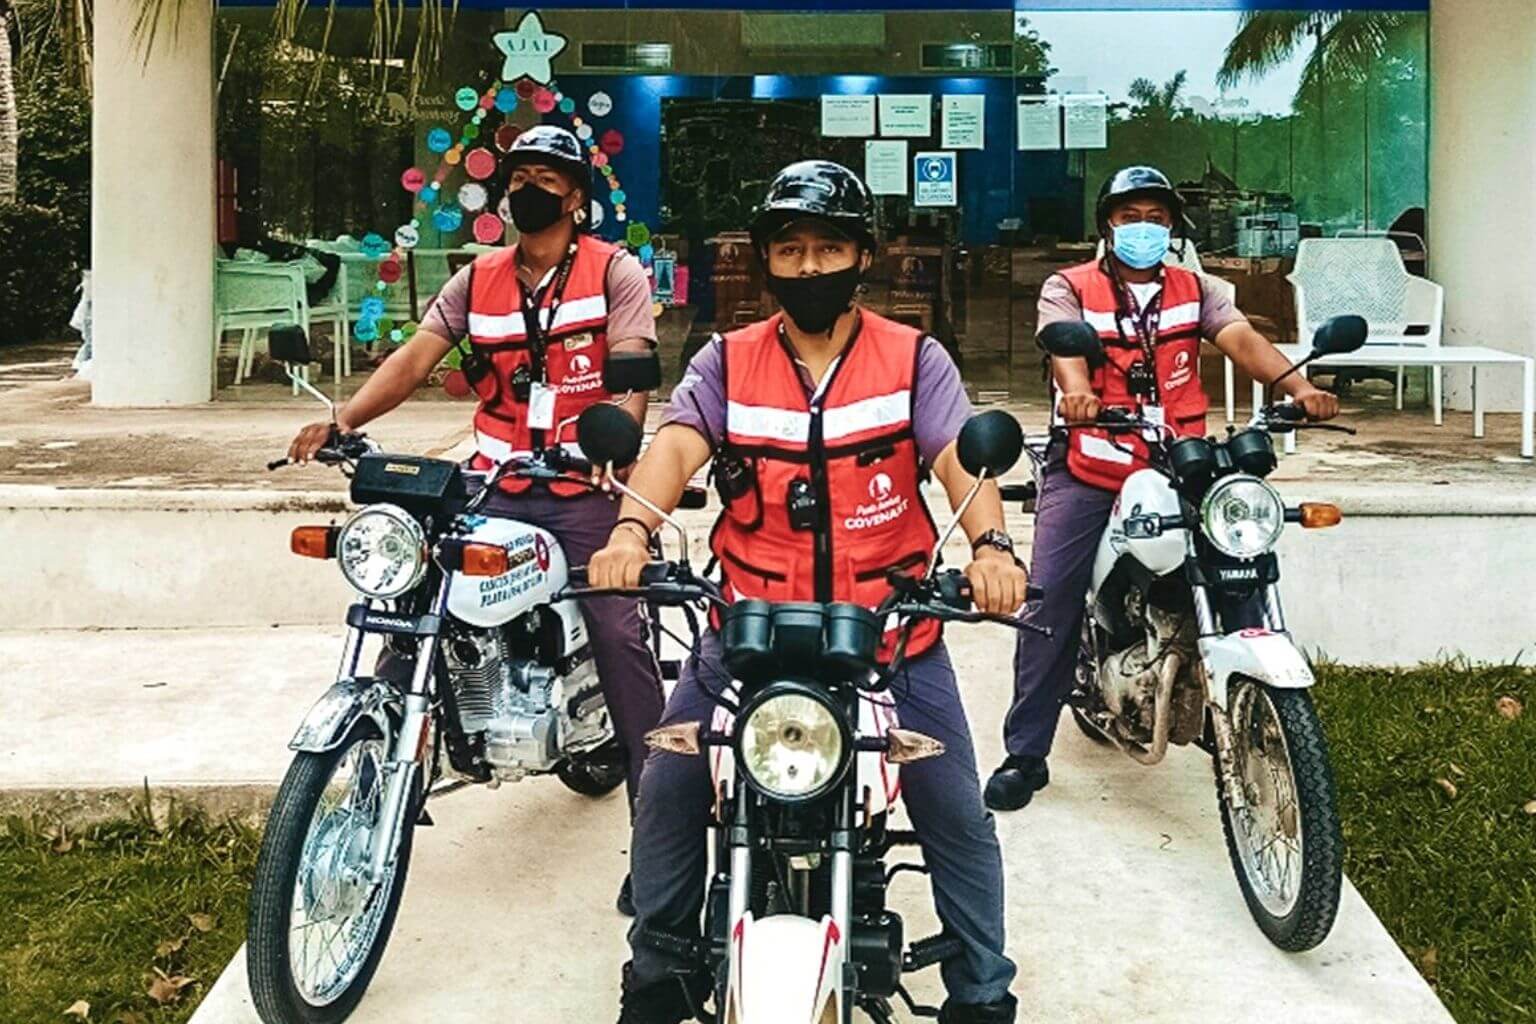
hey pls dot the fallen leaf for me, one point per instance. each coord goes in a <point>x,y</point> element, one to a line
<point>1530,807</point>
<point>1456,770</point>
<point>1429,962</point>
<point>64,843</point>
<point>169,946</point>
<point>1509,707</point>
<point>203,922</point>
<point>166,988</point>
<point>79,1008</point>
<point>1448,786</point>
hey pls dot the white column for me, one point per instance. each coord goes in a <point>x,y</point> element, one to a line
<point>1482,184</point>
<point>152,207</point>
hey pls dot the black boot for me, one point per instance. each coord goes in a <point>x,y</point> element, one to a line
<point>1016,782</point>
<point>626,900</point>
<point>1000,1012</point>
<point>665,1002</point>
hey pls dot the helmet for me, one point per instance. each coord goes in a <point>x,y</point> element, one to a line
<point>1139,183</point>
<point>555,147</point>
<point>818,189</point>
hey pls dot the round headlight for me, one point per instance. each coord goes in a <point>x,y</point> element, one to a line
<point>382,551</point>
<point>791,745</point>
<point>1243,516</point>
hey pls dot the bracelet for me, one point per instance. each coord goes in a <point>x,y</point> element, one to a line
<point>633,521</point>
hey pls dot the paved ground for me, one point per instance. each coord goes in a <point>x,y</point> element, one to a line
<point>1122,904</point>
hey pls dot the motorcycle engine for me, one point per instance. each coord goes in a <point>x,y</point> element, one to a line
<point>530,715</point>
<point>1128,678</point>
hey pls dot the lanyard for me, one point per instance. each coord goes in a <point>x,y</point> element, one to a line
<point>537,324</point>
<point>1145,321</point>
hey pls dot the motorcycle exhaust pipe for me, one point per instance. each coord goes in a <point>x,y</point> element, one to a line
<point>1162,706</point>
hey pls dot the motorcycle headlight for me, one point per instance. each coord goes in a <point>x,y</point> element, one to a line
<point>792,744</point>
<point>1243,516</point>
<point>382,551</point>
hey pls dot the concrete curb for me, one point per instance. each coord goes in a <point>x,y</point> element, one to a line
<point>82,805</point>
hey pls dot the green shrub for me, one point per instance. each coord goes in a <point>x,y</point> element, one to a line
<point>38,275</point>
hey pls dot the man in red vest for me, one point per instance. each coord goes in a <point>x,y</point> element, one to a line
<point>1151,318</point>
<point>541,317</point>
<point>822,422</point>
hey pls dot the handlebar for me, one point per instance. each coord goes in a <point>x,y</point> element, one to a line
<point>1284,417</point>
<point>338,449</point>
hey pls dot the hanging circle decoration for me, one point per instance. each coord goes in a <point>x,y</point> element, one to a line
<point>466,98</point>
<point>373,245</point>
<point>472,196</point>
<point>480,163</point>
<point>438,140</point>
<point>544,101</point>
<point>448,218</point>
<point>596,216</point>
<point>506,100</point>
<point>413,179</point>
<point>489,228</point>
<point>600,104</point>
<point>612,142</point>
<point>407,236</point>
<point>505,136</point>
<point>389,271</point>
<point>366,331</point>
<point>638,235</point>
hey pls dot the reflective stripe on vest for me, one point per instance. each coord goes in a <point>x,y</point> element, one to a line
<point>1103,460</point>
<point>575,351</point>
<point>852,444</point>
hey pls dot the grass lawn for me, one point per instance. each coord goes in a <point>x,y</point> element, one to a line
<point>1437,785</point>
<point>93,918</point>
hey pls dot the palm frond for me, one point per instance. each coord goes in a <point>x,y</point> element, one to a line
<point>51,29</point>
<point>1348,49</point>
<point>1265,40</point>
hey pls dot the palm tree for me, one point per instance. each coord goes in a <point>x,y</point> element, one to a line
<point>1347,44</point>
<point>1163,102</point>
<point>9,133</point>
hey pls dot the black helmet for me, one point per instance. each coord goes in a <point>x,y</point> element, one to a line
<point>555,147</point>
<point>822,190</point>
<point>1139,183</point>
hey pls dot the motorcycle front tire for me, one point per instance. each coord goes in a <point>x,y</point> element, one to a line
<point>276,997</point>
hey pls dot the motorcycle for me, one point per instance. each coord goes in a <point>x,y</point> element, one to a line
<point>500,679</point>
<point>805,750</point>
<point>1184,641</point>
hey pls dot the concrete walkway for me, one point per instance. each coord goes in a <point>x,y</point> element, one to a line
<point>1122,904</point>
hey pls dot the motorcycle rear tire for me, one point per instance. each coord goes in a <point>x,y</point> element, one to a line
<point>597,774</point>
<point>1317,905</point>
<point>276,997</point>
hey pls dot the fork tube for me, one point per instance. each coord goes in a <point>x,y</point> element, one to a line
<point>1274,616</point>
<point>739,841</point>
<point>842,866</point>
<point>352,650</point>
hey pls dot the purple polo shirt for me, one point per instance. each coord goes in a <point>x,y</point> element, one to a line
<point>940,405</point>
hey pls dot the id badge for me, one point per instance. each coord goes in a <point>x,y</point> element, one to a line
<point>541,406</point>
<point>1153,414</point>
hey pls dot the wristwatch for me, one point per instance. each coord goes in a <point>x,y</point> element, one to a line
<point>994,539</point>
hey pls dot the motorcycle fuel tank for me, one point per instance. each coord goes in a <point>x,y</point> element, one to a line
<point>536,571</point>
<point>1145,492</point>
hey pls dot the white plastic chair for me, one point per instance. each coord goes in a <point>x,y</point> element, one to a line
<point>251,297</point>
<point>1366,277</point>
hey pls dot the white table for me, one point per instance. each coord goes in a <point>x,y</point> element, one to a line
<point>1434,358</point>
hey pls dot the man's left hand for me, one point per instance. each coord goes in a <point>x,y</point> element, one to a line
<point>1318,404</point>
<point>998,583</point>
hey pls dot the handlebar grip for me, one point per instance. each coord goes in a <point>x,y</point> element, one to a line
<point>693,498</point>
<point>1289,412</point>
<point>655,572</point>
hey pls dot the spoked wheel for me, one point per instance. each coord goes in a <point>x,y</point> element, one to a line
<point>1285,843</point>
<point>596,774</point>
<point>317,927</point>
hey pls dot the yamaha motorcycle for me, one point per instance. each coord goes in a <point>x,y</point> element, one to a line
<point>1184,641</point>
<point>805,750</point>
<point>498,683</point>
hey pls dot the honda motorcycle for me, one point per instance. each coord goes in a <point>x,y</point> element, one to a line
<point>805,752</point>
<point>1184,641</point>
<point>497,683</point>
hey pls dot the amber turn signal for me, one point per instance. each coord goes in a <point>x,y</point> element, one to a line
<point>483,560</point>
<point>1316,515</point>
<point>682,738</point>
<point>313,541</point>
<point>905,746</point>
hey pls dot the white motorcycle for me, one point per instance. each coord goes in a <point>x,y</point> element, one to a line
<point>805,752</point>
<point>498,676</point>
<point>1184,641</point>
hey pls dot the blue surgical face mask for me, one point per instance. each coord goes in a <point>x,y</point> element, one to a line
<point>1142,245</point>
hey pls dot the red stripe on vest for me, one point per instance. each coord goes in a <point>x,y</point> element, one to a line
<point>867,476</point>
<point>574,355</point>
<point>1092,455</point>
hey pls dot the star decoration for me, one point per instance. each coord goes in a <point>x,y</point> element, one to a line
<point>529,50</point>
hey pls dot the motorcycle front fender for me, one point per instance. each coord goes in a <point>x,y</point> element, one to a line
<point>341,707</point>
<point>1270,658</point>
<point>786,969</point>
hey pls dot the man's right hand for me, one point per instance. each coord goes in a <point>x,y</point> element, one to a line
<point>310,440</point>
<point>1079,406</point>
<point>617,566</point>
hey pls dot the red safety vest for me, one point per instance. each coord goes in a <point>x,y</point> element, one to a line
<point>852,443</point>
<point>575,349</point>
<point>1092,455</point>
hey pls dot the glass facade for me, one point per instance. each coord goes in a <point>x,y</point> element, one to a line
<point>986,133</point>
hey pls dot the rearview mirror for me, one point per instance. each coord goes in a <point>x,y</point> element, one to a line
<point>1073,338</point>
<point>607,434</point>
<point>625,372</point>
<point>992,442</point>
<point>1340,335</point>
<point>287,343</point>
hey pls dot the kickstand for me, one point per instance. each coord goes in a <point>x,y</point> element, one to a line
<point>915,1008</point>
<point>879,1011</point>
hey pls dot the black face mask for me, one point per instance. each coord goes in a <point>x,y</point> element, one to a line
<point>815,303</point>
<point>533,209</point>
